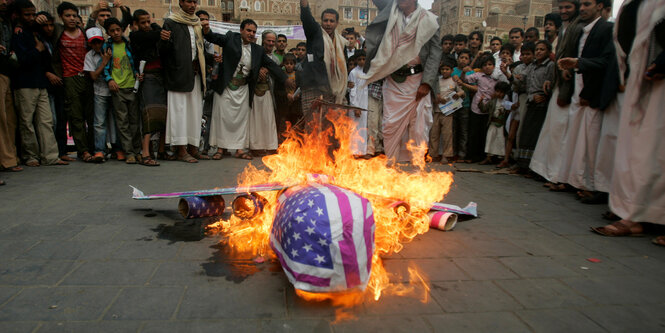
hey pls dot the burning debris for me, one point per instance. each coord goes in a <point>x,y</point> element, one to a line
<point>334,216</point>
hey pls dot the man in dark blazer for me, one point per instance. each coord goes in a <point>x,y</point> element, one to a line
<point>594,53</point>
<point>183,60</point>
<point>234,88</point>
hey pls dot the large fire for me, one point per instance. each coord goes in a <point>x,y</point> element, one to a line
<point>304,154</point>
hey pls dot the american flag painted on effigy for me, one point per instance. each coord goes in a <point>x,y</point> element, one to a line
<point>323,236</point>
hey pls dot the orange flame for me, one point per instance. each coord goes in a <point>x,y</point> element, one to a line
<point>302,154</point>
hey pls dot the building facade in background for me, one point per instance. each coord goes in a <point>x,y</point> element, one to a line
<point>465,16</point>
<point>353,13</point>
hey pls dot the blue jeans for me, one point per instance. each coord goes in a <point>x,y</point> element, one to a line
<point>103,105</point>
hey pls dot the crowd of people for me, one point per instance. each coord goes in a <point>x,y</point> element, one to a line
<point>569,108</point>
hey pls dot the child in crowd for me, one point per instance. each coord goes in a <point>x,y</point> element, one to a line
<point>442,127</point>
<point>95,62</point>
<point>484,89</point>
<point>120,74</point>
<point>152,92</point>
<point>541,70</point>
<point>495,144</point>
<point>461,116</point>
<point>502,71</point>
<point>290,111</point>
<point>358,96</point>
<point>518,79</point>
<point>71,49</point>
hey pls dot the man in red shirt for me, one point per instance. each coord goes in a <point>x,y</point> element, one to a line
<point>70,46</point>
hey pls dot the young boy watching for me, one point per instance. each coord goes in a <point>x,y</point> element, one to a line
<point>120,74</point>
<point>518,79</point>
<point>542,70</point>
<point>442,127</point>
<point>461,116</point>
<point>95,62</point>
<point>484,89</point>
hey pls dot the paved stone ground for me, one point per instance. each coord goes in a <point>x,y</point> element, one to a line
<point>78,255</point>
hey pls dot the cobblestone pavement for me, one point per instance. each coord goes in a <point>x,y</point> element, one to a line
<point>78,255</point>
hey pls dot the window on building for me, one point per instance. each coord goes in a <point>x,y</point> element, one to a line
<point>229,5</point>
<point>257,6</point>
<point>222,5</point>
<point>85,10</point>
<point>479,12</point>
<point>348,13</point>
<point>539,21</point>
<point>211,3</point>
<point>167,1</point>
<point>467,11</point>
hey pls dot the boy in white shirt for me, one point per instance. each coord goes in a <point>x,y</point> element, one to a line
<point>358,97</point>
<point>94,63</point>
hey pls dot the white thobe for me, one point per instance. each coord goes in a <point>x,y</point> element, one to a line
<point>262,124</point>
<point>404,118</point>
<point>584,124</point>
<point>230,111</point>
<point>358,97</point>
<point>638,182</point>
<point>185,109</point>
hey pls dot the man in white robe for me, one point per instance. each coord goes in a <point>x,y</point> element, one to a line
<point>548,158</point>
<point>181,47</point>
<point>637,193</point>
<point>234,89</point>
<point>595,50</point>
<point>403,47</point>
<point>262,124</point>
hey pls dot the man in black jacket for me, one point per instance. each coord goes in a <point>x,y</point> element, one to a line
<point>183,59</point>
<point>595,50</point>
<point>234,89</point>
<point>324,68</point>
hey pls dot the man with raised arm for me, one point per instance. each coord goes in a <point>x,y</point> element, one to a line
<point>324,69</point>
<point>403,47</point>
<point>235,87</point>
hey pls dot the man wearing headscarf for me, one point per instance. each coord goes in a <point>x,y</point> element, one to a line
<point>183,58</point>
<point>324,68</point>
<point>403,47</point>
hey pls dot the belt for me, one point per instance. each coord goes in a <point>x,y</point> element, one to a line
<point>401,74</point>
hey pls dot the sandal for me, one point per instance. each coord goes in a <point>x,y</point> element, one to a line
<point>66,158</point>
<point>559,188</point>
<point>187,158</point>
<point>197,155</point>
<point>149,161</point>
<point>131,159</point>
<point>610,216</point>
<point>32,163</point>
<point>86,157</point>
<point>15,168</point>
<point>618,229</point>
<point>164,156</point>
<point>59,162</point>
<point>503,164</point>
<point>242,155</point>
<point>660,240</point>
<point>217,156</point>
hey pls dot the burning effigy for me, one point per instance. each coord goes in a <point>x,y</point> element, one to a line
<point>326,216</point>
